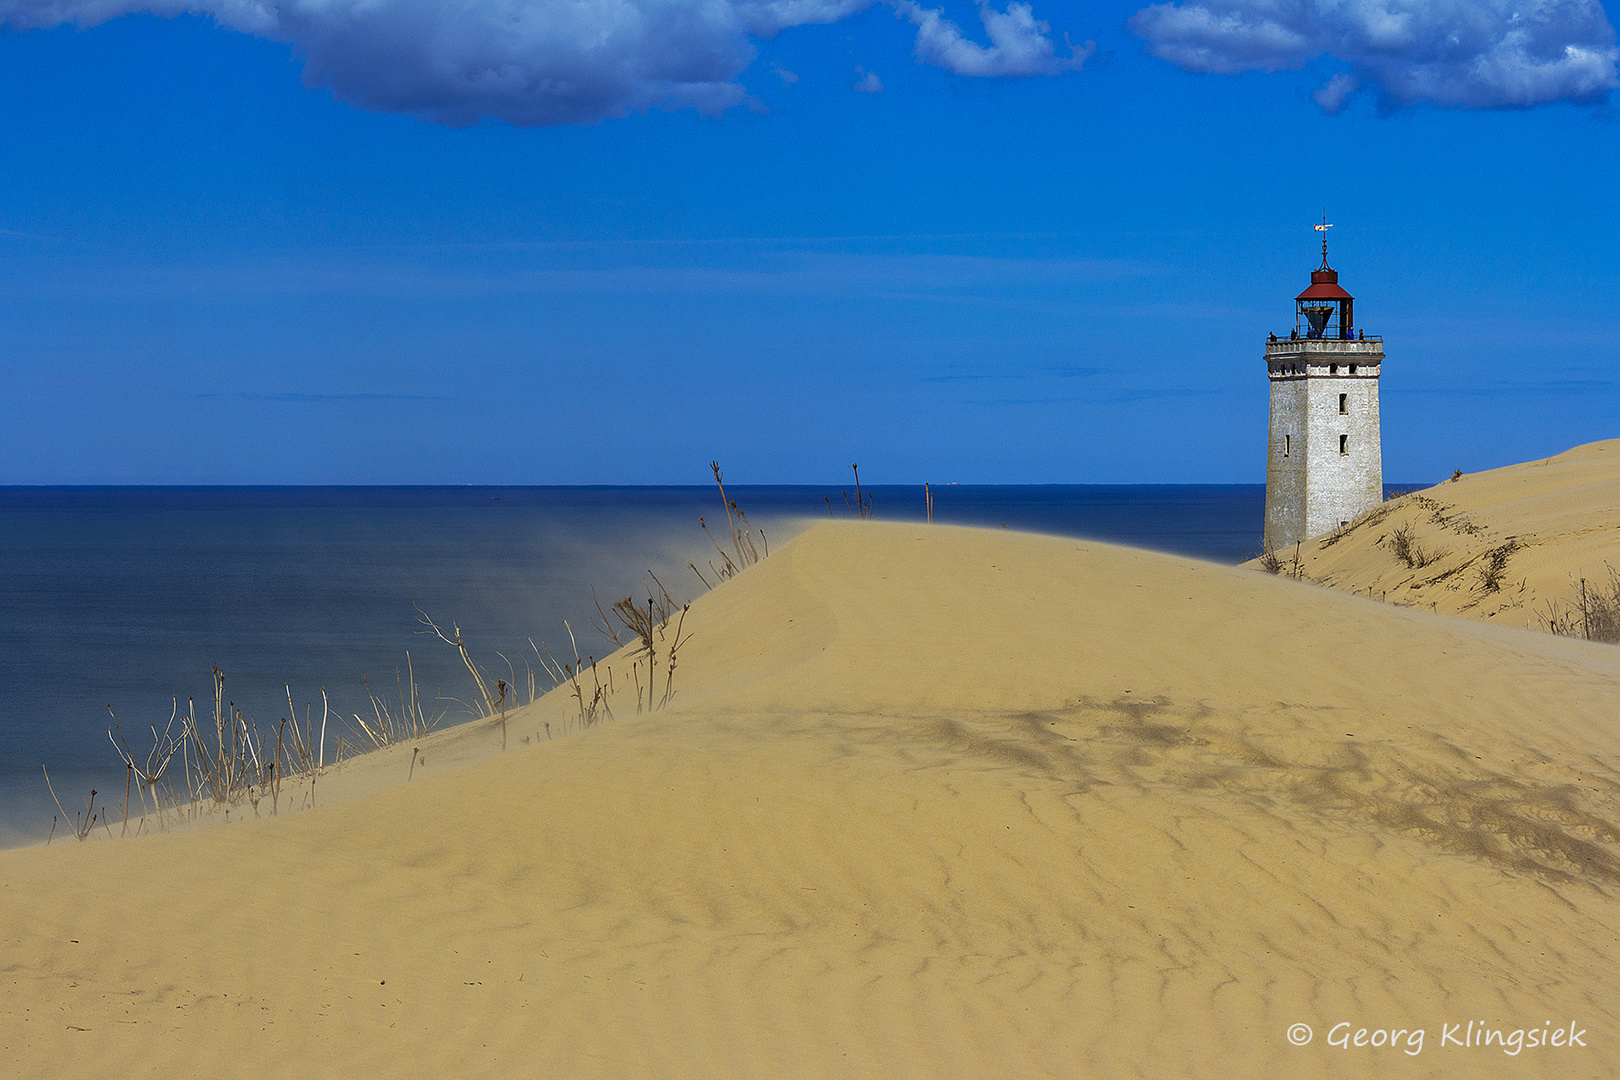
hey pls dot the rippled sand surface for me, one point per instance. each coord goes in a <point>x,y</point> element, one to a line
<point>925,802</point>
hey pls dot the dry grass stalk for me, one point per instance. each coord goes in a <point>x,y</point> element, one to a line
<point>83,822</point>
<point>229,767</point>
<point>741,534</point>
<point>461,646</point>
<point>862,502</point>
<point>1269,561</point>
<point>1595,614</point>
<point>1491,571</point>
<point>862,506</point>
<point>150,771</point>
<point>605,625</point>
<point>650,625</point>
<point>928,503</point>
<point>501,684</point>
<point>1405,547</point>
<point>385,728</point>
<point>591,710</point>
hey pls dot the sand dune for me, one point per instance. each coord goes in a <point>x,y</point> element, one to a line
<point>927,802</point>
<point>1509,545</point>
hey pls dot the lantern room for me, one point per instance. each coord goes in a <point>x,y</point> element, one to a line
<point>1324,310</point>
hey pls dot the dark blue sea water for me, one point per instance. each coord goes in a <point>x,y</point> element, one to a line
<point>127,597</point>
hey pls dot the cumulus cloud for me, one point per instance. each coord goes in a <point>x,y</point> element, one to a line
<point>1020,44</point>
<point>1332,94</point>
<point>1459,53</point>
<point>530,62</point>
<point>868,83</point>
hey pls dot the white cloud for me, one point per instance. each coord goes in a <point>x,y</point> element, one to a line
<point>530,62</point>
<point>868,83</point>
<point>1332,94</point>
<point>1020,44</point>
<point>1459,53</point>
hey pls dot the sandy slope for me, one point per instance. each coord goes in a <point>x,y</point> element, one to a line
<point>1543,525</point>
<point>928,802</point>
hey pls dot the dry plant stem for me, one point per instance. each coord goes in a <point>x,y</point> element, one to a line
<point>461,646</point>
<point>229,768</point>
<point>164,748</point>
<point>1269,561</point>
<point>275,807</point>
<point>82,823</point>
<point>667,605</point>
<point>600,694</point>
<point>729,569</point>
<point>606,625</point>
<point>730,522</point>
<point>700,576</point>
<point>669,666</point>
<point>550,670</point>
<point>1596,616</point>
<point>501,683</point>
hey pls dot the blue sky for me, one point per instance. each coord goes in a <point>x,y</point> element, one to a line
<point>417,242</point>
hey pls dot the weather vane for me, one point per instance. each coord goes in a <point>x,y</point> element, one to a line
<point>1323,228</point>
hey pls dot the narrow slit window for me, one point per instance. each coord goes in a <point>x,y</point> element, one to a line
<point>1287,443</point>
<point>1344,444</point>
<point>1342,399</point>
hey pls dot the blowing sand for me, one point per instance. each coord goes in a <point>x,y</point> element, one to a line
<point>927,802</point>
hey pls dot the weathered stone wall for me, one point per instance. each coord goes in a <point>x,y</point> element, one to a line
<point>1343,484</point>
<point>1285,463</point>
<point>1324,466</point>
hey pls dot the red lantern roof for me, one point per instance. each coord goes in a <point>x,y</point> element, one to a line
<point>1324,286</point>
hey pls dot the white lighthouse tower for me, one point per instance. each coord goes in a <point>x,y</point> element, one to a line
<point>1324,464</point>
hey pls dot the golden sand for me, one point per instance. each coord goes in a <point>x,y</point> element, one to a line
<point>926,802</point>
<point>1511,545</point>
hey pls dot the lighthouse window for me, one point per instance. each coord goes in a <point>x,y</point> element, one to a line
<point>1344,444</point>
<point>1352,369</point>
<point>1333,369</point>
<point>1287,442</point>
<point>1342,398</point>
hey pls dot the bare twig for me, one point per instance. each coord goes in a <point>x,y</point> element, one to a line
<point>461,646</point>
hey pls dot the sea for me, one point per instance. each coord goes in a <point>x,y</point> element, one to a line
<point>117,603</point>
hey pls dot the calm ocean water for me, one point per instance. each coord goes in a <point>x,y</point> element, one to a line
<point>127,597</point>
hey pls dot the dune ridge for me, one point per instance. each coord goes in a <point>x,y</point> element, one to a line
<point>1509,545</point>
<point>927,802</point>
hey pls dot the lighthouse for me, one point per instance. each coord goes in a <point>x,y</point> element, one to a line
<point>1324,464</point>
